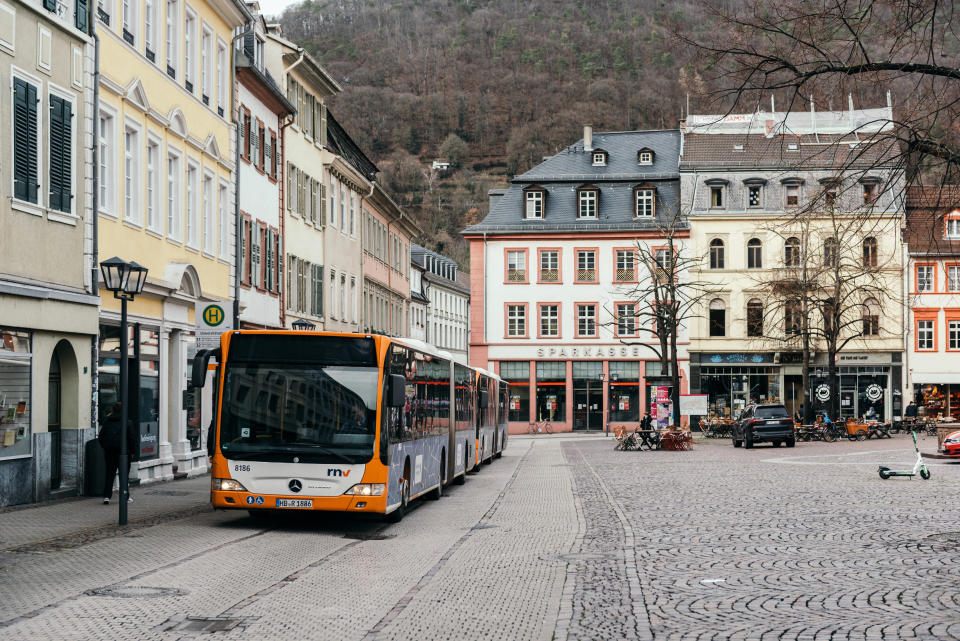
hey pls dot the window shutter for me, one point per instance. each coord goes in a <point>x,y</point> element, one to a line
<point>247,134</point>
<point>289,183</point>
<point>323,125</point>
<point>313,200</point>
<point>318,289</point>
<point>25,141</point>
<point>50,5</point>
<point>81,20</point>
<point>276,155</point>
<point>61,115</point>
<point>243,250</point>
<point>268,274</point>
<point>322,197</point>
<point>248,46</point>
<point>289,292</point>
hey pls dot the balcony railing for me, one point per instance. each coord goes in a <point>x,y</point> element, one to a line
<point>626,275</point>
<point>549,275</point>
<point>586,275</point>
<point>516,275</point>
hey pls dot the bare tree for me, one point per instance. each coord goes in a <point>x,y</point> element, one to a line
<point>665,299</point>
<point>829,289</point>
<point>823,51</point>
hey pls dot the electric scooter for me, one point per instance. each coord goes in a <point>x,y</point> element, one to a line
<point>886,472</point>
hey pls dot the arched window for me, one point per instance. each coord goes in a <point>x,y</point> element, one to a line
<point>718,318</point>
<point>791,252</point>
<point>870,252</point>
<point>792,317</point>
<point>754,254</point>
<point>755,317</point>
<point>716,254</point>
<point>871,317</point>
<point>830,249</point>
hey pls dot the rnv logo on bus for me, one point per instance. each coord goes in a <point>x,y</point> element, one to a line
<point>332,471</point>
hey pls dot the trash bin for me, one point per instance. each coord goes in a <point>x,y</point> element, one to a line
<point>94,468</point>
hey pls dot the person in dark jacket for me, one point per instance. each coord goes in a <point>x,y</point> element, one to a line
<point>109,437</point>
<point>646,422</point>
<point>911,410</point>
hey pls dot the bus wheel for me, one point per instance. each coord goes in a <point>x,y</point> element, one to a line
<point>397,515</point>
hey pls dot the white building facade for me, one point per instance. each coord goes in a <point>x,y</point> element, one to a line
<point>447,321</point>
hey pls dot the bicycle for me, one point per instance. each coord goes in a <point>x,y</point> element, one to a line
<point>541,427</point>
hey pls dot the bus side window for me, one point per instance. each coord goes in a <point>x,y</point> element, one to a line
<point>384,426</point>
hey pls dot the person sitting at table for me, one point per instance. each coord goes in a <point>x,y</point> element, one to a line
<point>646,421</point>
<point>871,414</point>
<point>798,415</point>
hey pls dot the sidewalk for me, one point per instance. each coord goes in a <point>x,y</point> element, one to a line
<point>61,524</point>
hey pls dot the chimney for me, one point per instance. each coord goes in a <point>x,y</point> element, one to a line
<point>587,138</point>
<point>495,195</point>
<point>768,128</point>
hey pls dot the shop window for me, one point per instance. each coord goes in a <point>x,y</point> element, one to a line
<point>517,373</point>
<point>15,408</point>
<point>718,318</point>
<point>716,254</point>
<point>551,391</point>
<point>624,391</point>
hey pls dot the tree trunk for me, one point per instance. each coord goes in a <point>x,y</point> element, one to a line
<point>675,376</point>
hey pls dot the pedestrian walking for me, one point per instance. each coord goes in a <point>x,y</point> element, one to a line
<point>646,421</point>
<point>109,437</point>
<point>911,410</point>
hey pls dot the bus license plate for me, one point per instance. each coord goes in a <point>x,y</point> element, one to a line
<point>294,502</point>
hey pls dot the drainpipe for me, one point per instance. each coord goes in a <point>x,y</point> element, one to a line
<point>95,244</point>
<point>237,227</point>
<point>486,322</point>
<point>287,70</point>
<point>284,122</point>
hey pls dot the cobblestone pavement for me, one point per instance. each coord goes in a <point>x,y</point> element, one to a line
<point>562,538</point>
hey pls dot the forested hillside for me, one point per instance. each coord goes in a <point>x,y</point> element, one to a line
<point>490,85</point>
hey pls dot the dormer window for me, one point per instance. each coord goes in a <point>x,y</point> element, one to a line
<point>587,199</point>
<point>646,201</point>
<point>599,158</point>
<point>717,188</point>
<point>755,191</point>
<point>645,157</point>
<point>533,203</point>
<point>792,188</point>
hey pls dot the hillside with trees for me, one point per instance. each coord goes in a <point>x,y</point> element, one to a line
<point>490,86</point>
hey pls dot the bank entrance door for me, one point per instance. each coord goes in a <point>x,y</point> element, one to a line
<point>587,395</point>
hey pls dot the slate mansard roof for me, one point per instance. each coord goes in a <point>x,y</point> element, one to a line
<point>560,176</point>
<point>757,151</point>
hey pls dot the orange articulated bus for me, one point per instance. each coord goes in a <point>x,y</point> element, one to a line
<point>336,422</point>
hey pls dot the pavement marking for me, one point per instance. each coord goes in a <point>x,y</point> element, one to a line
<point>405,600</point>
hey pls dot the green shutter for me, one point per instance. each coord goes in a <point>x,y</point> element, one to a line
<point>50,5</point>
<point>61,116</point>
<point>24,141</point>
<point>81,21</point>
<point>323,204</point>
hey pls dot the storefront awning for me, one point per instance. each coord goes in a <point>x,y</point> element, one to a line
<point>941,378</point>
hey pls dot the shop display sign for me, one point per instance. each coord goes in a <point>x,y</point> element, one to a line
<point>874,392</point>
<point>663,394</point>
<point>623,404</point>
<point>823,392</point>
<point>514,402</point>
<point>552,403</point>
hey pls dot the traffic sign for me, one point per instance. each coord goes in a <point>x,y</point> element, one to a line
<point>211,320</point>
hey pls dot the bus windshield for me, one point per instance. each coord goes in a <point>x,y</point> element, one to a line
<point>315,411</point>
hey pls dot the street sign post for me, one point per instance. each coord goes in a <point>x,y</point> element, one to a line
<point>211,320</point>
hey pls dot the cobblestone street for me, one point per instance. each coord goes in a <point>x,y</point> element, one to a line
<point>562,538</point>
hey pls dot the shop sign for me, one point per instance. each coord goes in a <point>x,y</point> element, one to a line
<point>823,392</point>
<point>874,392</point>
<point>595,351</point>
<point>737,358</point>
<point>211,320</point>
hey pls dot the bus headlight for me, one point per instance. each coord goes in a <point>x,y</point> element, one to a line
<point>227,485</point>
<point>366,489</point>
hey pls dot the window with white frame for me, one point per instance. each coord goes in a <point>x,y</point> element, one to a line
<point>953,278</point>
<point>550,266</point>
<point>172,43</point>
<point>174,195</point>
<point>130,20</point>
<point>588,203</point>
<point>209,228</point>
<point>223,202</point>
<point>206,66</point>
<point>586,265</point>
<point>153,185</point>
<point>952,227</point>
<point>343,207</point>
<point>131,174</point>
<point>189,49</point>
<point>193,227</point>
<point>353,213</point>
<point>626,265</point>
<point>626,319</point>
<point>108,162</point>
<point>151,22</point>
<point>516,320</point>
<point>516,266</point>
<point>645,158</point>
<point>925,338</point>
<point>925,278</point>
<point>953,334</point>
<point>644,202</point>
<point>534,204</point>
<point>599,159</point>
<point>586,320</point>
<point>549,320</point>
<point>221,76</point>
<point>343,297</point>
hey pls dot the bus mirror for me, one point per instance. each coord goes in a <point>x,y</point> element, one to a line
<point>198,376</point>
<point>484,398</point>
<point>398,390</point>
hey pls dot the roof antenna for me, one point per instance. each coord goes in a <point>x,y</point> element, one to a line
<point>850,106</point>
<point>773,107</point>
<point>889,103</point>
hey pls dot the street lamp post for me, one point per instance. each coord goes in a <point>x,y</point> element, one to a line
<point>125,280</point>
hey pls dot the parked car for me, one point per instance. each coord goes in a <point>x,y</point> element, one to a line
<point>951,444</point>
<point>768,422</point>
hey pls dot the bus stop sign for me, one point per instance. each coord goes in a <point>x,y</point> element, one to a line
<point>211,320</point>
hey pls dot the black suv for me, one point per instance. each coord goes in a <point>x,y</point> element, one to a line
<point>768,422</point>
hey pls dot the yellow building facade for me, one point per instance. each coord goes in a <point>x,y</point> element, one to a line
<point>165,143</point>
